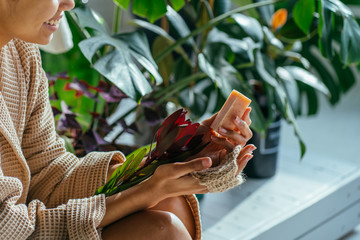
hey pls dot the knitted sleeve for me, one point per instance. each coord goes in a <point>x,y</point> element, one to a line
<point>223,176</point>
<point>59,177</point>
<point>77,219</point>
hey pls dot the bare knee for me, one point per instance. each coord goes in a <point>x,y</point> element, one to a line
<point>168,226</point>
<point>150,224</point>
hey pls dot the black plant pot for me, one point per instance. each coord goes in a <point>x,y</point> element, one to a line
<point>263,164</point>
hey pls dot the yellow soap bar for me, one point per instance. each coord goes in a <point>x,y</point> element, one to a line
<point>235,105</point>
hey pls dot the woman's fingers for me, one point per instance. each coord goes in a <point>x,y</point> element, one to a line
<point>243,161</point>
<point>207,122</point>
<point>188,184</point>
<point>223,142</point>
<point>246,116</point>
<point>244,157</point>
<point>236,137</point>
<point>243,132</point>
<point>247,149</point>
<point>179,169</point>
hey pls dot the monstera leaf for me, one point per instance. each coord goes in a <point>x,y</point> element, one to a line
<point>350,35</point>
<point>125,57</point>
<point>150,9</point>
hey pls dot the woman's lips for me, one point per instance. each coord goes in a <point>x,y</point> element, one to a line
<point>54,21</point>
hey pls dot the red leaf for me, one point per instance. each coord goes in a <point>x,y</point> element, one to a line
<point>167,140</point>
<point>188,130</point>
<point>169,124</point>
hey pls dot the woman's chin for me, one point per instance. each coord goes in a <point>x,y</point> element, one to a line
<point>45,40</point>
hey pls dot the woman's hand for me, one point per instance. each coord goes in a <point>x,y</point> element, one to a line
<point>174,179</point>
<point>227,139</point>
<point>168,180</point>
<point>241,135</point>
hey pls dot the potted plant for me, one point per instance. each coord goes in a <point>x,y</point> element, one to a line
<point>197,54</point>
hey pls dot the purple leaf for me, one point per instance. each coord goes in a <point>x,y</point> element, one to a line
<point>55,111</point>
<point>81,88</point>
<point>114,95</point>
<point>67,119</point>
<point>54,96</point>
<point>99,140</point>
<point>62,76</point>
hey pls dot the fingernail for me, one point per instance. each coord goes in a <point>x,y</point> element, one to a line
<point>222,130</point>
<point>248,157</point>
<point>206,162</point>
<point>237,119</point>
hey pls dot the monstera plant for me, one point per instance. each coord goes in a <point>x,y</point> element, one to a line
<point>192,54</point>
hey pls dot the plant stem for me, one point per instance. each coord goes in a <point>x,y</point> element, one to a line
<point>179,85</point>
<point>117,18</point>
<point>212,23</point>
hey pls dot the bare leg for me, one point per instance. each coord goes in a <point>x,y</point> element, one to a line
<point>180,207</point>
<point>171,217</point>
<point>147,225</point>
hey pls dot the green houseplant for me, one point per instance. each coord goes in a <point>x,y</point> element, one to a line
<point>194,58</point>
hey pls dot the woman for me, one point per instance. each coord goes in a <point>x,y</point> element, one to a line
<point>47,193</point>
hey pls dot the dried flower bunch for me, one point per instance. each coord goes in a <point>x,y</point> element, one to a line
<point>176,140</point>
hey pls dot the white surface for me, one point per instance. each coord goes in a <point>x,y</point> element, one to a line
<point>305,199</point>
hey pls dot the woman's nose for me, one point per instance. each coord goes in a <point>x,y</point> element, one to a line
<point>66,5</point>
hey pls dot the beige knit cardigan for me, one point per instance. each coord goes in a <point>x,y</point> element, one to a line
<point>45,192</point>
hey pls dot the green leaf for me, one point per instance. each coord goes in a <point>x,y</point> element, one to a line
<point>218,69</point>
<point>179,25</point>
<point>146,147</point>
<point>307,78</point>
<point>166,64</point>
<point>272,40</point>
<point>325,30</point>
<point>197,98</point>
<point>250,26</point>
<point>291,89</point>
<point>291,31</point>
<point>265,75</point>
<point>137,160</point>
<point>346,76</point>
<point>88,19</point>
<point>312,99</point>
<point>283,103</point>
<point>122,3</point>
<point>177,4</point>
<point>151,9</point>
<point>350,39</point>
<point>120,171</point>
<point>68,144</point>
<point>257,116</point>
<point>222,6</point>
<point>161,32</point>
<point>137,42</point>
<point>140,50</point>
<point>303,14</point>
<point>212,23</point>
<point>350,35</point>
<point>194,100</point>
<point>118,65</point>
<point>266,12</point>
<point>322,67</point>
<point>243,48</point>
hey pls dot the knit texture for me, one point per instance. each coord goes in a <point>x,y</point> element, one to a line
<point>223,176</point>
<point>45,192</point>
